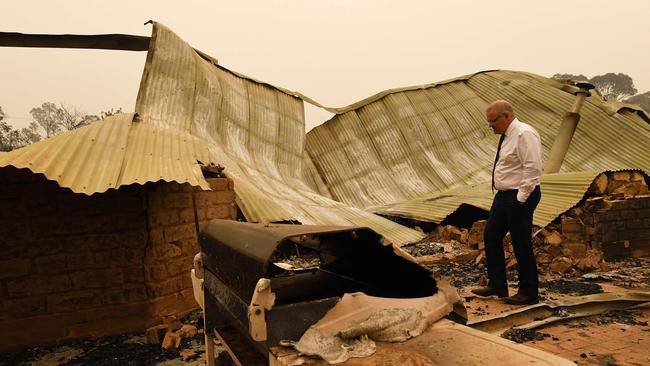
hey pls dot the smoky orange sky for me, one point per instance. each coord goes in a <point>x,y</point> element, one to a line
<point>335,51</point>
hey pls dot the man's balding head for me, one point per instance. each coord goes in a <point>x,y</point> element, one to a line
<point>499,115</point>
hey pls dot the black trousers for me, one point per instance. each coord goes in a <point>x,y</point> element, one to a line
<point>507,214</point>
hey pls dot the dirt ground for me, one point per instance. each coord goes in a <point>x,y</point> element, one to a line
<point>128,349</point>
<point>615,338</point>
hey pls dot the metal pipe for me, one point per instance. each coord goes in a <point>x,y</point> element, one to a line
<point>567,129</point>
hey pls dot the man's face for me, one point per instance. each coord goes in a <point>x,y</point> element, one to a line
<point>497,121</point>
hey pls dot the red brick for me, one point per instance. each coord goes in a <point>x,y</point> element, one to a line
<point>186,187</point>
<point>163,217</point>
<point>187,282</point>
<point>167,187</point>
<point>16,228</point>
<point>173,233</point>
<point>202,214</point>
<point>97,278</point>
<point>218,212</point>
<point>132,256</point>
<point>113,296</point>
<point>156,201</point>
<point>189,246</point>
<point>133,238</point>
<point>225,196</point>
<point>162,251</point>
<point>19,308</point>
<point>178,200</point>
<point>167,287</point>
<point>133,274</point>
<point>233,212</point>
<point>51,264</point>
<point>205,199</point>
<point>218,184</point>
<point>180,266</point>
<point>135,293</point>
<point>571,225</point>
<point>15,268</point>
<point>202,224</point>
<point>80,260</point>
<point>75,300</point>
<point>186,215</point>
<point>575,248</point>
<point>157,235</point>
<point>156,272</point>
<point>37,285</point>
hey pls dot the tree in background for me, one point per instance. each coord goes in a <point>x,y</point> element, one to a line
<point>49,117</point>
<point>642,100</point>
<point>72,118</point>
<point>611,86</point>
<point>11,138</point>
<point>5,133</point>
<point>614,86</point>
<point>572,77</point>
<point>110,112</point>
<point>30,135</point>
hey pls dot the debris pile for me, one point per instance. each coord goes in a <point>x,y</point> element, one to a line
<point>524,335</point>
<point>609,224</point>
<point>173,343</point>
<point>445,244</point>
<point>293,256</point>
<point>563,286</point>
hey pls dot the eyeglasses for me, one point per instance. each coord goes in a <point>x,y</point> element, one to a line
<point>493,120</point>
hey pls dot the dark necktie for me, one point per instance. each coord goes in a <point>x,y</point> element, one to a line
<point>496,158</point>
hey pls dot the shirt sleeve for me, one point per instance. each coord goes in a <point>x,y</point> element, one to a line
<point>529,151</point>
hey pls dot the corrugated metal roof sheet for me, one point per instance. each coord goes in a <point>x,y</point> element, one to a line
<point>190,110</point>
<point>111,153</point>
<point>256,131</point>
<point>560,192</point>
<point>416,152</point>
<point>421,152</point>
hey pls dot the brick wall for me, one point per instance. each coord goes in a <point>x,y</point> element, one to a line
<point>73,265</point>
<point>621,228</point>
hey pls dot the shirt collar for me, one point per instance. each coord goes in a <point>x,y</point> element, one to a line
<point>511,127</point>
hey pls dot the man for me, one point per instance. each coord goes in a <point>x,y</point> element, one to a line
<point>515,176</point>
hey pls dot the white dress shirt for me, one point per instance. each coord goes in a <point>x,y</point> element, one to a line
<point>520,160</point>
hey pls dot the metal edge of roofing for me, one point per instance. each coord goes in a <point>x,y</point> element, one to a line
<point>90,159</point>
<point>50,157</point>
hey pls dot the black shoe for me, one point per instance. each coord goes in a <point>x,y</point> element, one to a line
<point>489,291</point>
<point>521,299</point>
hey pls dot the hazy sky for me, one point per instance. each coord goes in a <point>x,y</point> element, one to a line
<point>335,51</point>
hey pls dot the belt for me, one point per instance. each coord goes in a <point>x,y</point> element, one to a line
<point>513,190</point>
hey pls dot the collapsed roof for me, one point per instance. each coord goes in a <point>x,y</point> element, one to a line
<point>416,152</point>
